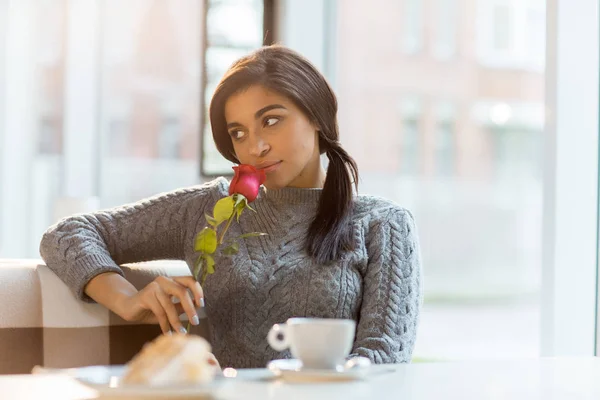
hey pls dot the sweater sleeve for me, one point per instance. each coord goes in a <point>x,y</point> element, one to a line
<point>80,247</point>
<point>392,294</point>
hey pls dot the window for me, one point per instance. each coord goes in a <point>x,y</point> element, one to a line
<point>410,136</point>
<point>445,148</point>
<point>49,139</point>
<point>170,138</point>
<point>119,138</point>
<point>536,36</point>
<point>502,28</point>
<point>444,158</point>
<point>511,34</point>
<point>445,29</point>
<point>412,26</point>
<point>409,156</point>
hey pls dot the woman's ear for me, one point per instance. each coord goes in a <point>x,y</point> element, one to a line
<point>315,126</point>
<point>320,143</point>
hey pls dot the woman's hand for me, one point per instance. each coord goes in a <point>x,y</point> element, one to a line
<point>155,303</point>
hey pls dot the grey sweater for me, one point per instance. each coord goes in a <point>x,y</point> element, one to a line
<point>272,278</point>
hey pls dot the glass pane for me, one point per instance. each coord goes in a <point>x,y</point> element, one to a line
<point>151,65</point>
<point>31,137</point>
<point>412,24</point>
<point>458,143</point>
<point>235,27</point>
<point>235,23</point>
<point>502,27</point>
<point>445,32</point>
<point>218,61</point>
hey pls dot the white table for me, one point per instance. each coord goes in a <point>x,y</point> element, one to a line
<point>546,378</point>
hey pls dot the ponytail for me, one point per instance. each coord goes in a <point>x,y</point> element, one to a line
<point>330,232</point>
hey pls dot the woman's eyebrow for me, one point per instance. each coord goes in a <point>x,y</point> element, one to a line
<point>258,114</point>
<point>263,110</point>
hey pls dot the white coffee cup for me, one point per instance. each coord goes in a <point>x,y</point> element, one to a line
<point>320,343</point>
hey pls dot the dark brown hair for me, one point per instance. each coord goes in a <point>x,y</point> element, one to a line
<point>288,73</point>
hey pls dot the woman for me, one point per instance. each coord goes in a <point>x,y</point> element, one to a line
<point>328,253</point>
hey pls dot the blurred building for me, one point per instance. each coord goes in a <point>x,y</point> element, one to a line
<point>442,105</point>
<point>441,88</point>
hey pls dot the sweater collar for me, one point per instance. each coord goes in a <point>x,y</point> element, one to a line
<point>292,194</point>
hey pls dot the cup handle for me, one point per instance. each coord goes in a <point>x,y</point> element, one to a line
<point>278,338</point>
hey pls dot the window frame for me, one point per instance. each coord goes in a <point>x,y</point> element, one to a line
<point>569,301</point>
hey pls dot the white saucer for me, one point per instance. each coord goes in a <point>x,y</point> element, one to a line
<point>292,371</point>
<point>105,379</point>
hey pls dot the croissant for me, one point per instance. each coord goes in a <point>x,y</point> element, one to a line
<point>172,359</point>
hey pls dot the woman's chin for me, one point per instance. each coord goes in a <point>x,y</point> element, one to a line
<point>272,184</point>
<point>273,187</point>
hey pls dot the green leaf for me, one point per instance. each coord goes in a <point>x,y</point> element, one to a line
<point>210,263</point>
<point>206,241</point>
<point>238,210</point>
<point>252,234</point>
<point>212,222</point>
<point>223,209</point>
<point>231,249</point>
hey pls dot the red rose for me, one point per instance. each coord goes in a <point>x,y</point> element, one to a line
<point>247,181</point>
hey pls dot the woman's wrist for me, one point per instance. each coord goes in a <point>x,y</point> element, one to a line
<point>112,291</point>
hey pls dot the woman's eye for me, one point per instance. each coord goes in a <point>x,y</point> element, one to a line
<point>237,135</point>
<point>271,121</point>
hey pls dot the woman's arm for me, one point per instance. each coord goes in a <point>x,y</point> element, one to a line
<point>82,247</point>
<point>389,314</point>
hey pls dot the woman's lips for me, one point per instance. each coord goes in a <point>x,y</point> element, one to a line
<point>271,167</point>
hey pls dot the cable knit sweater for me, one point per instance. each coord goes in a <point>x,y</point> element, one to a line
<point>272,278</point>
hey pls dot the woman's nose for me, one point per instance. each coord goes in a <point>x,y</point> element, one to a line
<point>258,146</point>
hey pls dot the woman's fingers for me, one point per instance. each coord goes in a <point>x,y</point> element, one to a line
<point>190,283</point>
<point>177,288</point>
<point>159,312</point>
<point>178,305</point>
<point>170,310</point>
<point>168,298</point>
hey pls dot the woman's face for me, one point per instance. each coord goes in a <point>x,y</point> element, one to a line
<point>268,131</point>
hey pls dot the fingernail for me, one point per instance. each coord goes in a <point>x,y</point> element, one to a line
<point>183,330</point>
<point>169,333</point>
<point>202,302</point>
<point>195,320</point>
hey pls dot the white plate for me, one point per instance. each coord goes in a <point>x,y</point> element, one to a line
<point>106,381</point>
<point>291,370</point>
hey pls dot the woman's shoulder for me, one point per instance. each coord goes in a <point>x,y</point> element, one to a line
<point>200,193</point>
<point>218,187</point>
<point>374,210</point>
<point>208,192</point>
